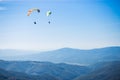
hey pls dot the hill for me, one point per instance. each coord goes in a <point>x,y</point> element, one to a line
<point>103,71</point>
<point>34,70</point>
<point>69,55</point>
<point>11,75</point>
<point>61,71</point>
<point>66,55</point>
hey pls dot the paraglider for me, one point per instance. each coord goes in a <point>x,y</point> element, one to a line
<point>34,22</point>
<point>49,22</point>
<point>31,11</point>
<point>48,14</point>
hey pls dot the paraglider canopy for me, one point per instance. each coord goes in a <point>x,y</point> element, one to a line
<point>32,10</point>
<point>48,13</point>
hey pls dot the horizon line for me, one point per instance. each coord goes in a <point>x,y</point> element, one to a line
<point>58,48</point>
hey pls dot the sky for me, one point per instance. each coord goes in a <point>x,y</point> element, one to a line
<point>83,24</point>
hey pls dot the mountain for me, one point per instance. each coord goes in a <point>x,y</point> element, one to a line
<point>103,71</point>
<point>34,70</point>
<point>60,71</point>
<point>68,55</point>
<point>11,75</point>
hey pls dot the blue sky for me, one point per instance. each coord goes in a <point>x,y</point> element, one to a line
<point>83,24</point>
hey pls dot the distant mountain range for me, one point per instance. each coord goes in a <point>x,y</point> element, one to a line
<point>62,71</point>
<point>103,71</point>
<point>34,70</point>
<point>69,55</point>
<point>66,55</point>
<point>12,75</point>
<point>61,64</point>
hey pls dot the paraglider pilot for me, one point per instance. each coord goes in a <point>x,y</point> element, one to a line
<point>34,22</point>
<point>49,22</point>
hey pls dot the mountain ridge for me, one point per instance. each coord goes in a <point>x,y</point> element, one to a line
<point>60,70</point>
<point>103,71</point>
<point>70,55</point>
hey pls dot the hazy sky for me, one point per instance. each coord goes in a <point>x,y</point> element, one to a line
<point>80,24</point>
